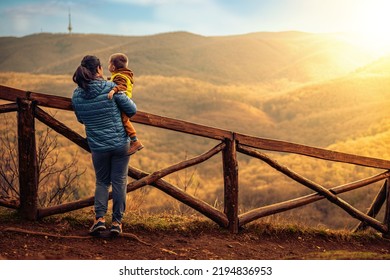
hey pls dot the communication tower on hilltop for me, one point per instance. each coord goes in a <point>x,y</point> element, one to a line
<point>70,24</point>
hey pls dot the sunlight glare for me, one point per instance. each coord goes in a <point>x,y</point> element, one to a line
<point>372,25</point>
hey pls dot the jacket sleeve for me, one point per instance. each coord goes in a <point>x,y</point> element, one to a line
<point>121,84</point>
<point>125,104</point>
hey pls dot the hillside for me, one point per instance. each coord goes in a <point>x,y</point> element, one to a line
<point>341,108</point>
<point>241,59</point>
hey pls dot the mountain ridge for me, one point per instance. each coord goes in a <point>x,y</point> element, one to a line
<point>236,59</point>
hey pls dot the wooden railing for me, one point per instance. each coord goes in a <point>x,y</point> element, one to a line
<point>28,104</point>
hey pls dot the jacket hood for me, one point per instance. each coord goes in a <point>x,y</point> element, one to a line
<point>95,88</point>
<point>125,71</point>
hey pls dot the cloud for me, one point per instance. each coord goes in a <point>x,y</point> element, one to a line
<point>20,23</point>
<point>31,17</point>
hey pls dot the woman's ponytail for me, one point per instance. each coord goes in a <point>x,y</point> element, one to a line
<point>87,71</point>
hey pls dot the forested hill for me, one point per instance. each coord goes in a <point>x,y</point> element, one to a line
<point>240,59</point>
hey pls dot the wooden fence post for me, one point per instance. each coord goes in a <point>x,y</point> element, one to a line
<point>387,211</point>
<point>28,165</point>
<point>375,207</point>
<point>230,175</point>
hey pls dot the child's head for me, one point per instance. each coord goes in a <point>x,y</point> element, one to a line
<point>117,61</point>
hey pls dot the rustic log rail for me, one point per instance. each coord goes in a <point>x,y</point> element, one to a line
<point>27,105</point>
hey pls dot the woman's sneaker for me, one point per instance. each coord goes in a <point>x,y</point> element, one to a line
<point>116,228</point>
<point>98,225</point>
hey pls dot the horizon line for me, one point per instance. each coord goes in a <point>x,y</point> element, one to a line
<point>178,31</point>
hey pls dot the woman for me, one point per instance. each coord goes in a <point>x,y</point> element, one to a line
<point>106,137</point>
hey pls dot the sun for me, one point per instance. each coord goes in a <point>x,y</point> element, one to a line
<point>371,24</point>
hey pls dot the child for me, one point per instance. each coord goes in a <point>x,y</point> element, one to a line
<point>123,78</point>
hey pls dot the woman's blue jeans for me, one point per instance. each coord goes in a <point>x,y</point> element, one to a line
<point>111,169</point>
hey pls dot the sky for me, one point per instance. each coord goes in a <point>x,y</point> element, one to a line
<point>203,17</point>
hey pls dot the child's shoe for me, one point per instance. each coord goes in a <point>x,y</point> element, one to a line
<point>135,146</point>
<point>116,228</point>
<point>98,225</point>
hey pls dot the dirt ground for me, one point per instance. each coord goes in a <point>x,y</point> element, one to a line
<point>38,240</point>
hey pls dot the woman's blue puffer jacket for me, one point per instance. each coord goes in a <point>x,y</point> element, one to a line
<point>102,116</point>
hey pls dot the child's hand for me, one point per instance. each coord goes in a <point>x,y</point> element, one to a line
<point>111,94</point>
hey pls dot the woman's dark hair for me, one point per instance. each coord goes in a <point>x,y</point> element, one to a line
<point>87,71</point>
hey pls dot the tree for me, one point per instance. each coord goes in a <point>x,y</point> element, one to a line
<point>58,179</point>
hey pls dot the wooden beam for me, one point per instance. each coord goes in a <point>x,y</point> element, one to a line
<point>286,147</point>
<point>176,167</point>
<point>52,101</point>
<point>11,94</point>
<point>61,128</point>
<point>65,207</point>
<point>374,208</point>
<point>13,204</point>
<point>6,108</point>
<point>181,126</point>
<point>189,200</point>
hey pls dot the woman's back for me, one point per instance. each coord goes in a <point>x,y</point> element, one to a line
<point>101,116</point>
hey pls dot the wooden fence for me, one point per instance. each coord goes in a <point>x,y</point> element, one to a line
<point>28,106</point>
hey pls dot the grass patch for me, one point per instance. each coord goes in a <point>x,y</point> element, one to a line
<point>347,255</point>
<point>9,215</point>
<point>284,229</point>
<point>169,222</point>
<point>166,222</point>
